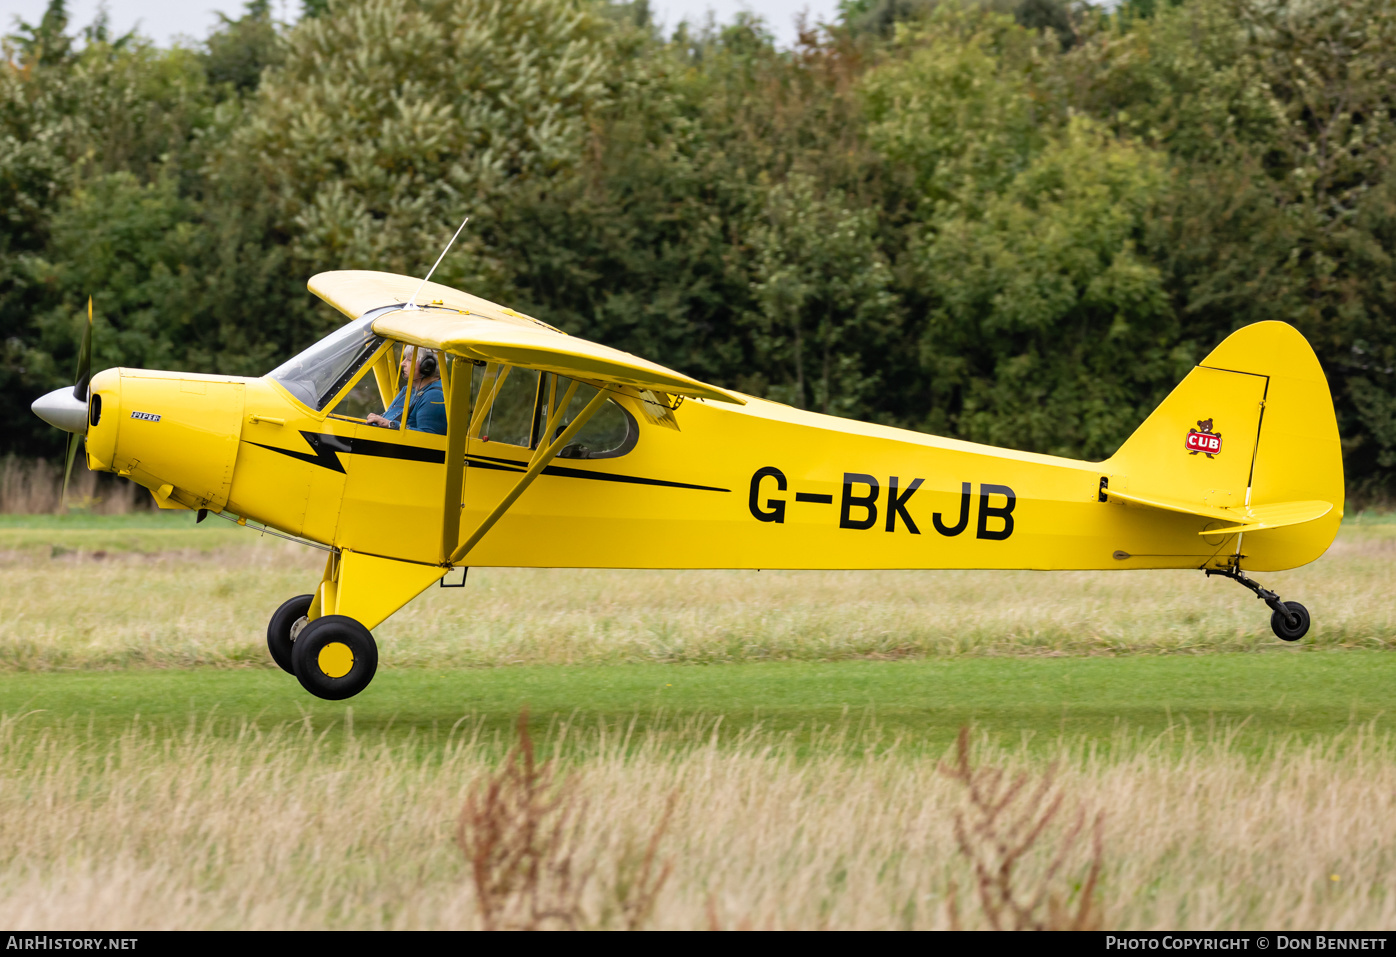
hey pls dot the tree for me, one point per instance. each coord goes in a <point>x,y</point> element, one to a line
<point>1281,122</point>
<point>390,120</point>
<point>117,105</point>
<point>239,50</point>
<point>46,43</point>
<point>1050,330</point>
<point>826,311</point>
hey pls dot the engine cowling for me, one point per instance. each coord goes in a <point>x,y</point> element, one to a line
<point>167,429</point>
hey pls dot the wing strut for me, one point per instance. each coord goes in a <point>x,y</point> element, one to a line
<point>458,422</point>
<point>495,376</point>
<point>540,460</point>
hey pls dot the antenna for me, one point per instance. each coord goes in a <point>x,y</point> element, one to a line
<point>412,302</point>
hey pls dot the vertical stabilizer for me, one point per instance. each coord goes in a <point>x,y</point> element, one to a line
<point>1251,425</point>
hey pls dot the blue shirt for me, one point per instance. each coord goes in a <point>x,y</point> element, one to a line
<point>428,412</point>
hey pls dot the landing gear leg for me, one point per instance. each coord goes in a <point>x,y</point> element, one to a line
<point>1289,620</point>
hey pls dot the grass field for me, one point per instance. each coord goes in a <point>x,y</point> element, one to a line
<point>157,771</point>
<point>80,592</point>
<point>918,704</point>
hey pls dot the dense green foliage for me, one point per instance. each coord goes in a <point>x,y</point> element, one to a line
<point>1015,222</point>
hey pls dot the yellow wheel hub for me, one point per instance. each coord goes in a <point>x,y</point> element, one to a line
<point>336,659</point>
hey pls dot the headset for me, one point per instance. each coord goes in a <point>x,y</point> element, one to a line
<point>426,365</point>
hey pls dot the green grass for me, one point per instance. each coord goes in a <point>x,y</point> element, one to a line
<point>193,597</point>
<point>163,519</point>
<point>1370,516</point>
<point>170,623</point>
<point>924,703</point>
<point>138,532</point>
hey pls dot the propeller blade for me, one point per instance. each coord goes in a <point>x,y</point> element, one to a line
<point>68,472</point>
<point>84,373</point>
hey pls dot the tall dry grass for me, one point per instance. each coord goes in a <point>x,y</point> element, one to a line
<point>284,827</point>
<point>35,487</point>
<point>521,832</point>
<point>174,607</point>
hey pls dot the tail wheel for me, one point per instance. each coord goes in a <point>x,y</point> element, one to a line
<point>1293,626</point>
<point>334,657</point>
<point>281,630</point>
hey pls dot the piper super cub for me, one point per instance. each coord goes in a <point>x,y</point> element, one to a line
<point>561,452</point>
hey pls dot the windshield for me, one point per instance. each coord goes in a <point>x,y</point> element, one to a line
<point>317,374</point>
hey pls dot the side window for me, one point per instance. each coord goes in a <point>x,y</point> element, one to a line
<point>609,433</point>
<point>359,401</point>
<point>511,417</point>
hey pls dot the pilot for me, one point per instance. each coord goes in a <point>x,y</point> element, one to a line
<point>427,411</point>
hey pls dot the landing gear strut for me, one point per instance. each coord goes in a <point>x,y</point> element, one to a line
<point>1289,620</point>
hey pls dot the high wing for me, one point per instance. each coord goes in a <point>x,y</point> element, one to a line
<point>485,331</point>
<point>478,337</point>
<point>357,291</point>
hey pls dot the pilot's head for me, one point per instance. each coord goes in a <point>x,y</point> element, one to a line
<point>428,366</point>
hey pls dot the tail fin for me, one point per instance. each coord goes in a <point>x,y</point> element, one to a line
<point>1250,429</point>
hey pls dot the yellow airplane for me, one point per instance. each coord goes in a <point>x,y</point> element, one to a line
<point>566,453</point>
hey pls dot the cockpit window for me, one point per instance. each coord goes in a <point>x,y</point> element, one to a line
<point>317,374</point>
<point>511,415</point>
<point>362,399</point>
<point>611,432</point>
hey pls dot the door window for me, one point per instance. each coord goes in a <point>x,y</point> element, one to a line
<point>610,432</point>
<point>511,418</point>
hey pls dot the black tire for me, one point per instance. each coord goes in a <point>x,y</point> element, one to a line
<point>279,641</point>
<point>318,662</point>
<point>1280,625</point>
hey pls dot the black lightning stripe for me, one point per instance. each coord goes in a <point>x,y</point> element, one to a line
<point>390,450</point>
<point>562,471</point>
<point>326,449</point>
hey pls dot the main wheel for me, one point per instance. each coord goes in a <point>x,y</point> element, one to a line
<point>282,627</point>
<point>334,657</point>
<point>1282,627</point>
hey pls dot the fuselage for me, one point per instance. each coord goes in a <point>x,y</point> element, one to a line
<point>757,486</point>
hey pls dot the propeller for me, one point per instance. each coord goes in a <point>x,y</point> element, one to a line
<point>67,409</point>
<point>81,380</point>
<point>83,377</point>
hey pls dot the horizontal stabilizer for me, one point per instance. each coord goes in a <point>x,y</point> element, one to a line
<point>1186,508</point>
<point>1257,518</point>
<point>1248,518</point>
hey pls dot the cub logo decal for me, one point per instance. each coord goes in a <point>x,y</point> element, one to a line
<point>1203,439</point>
